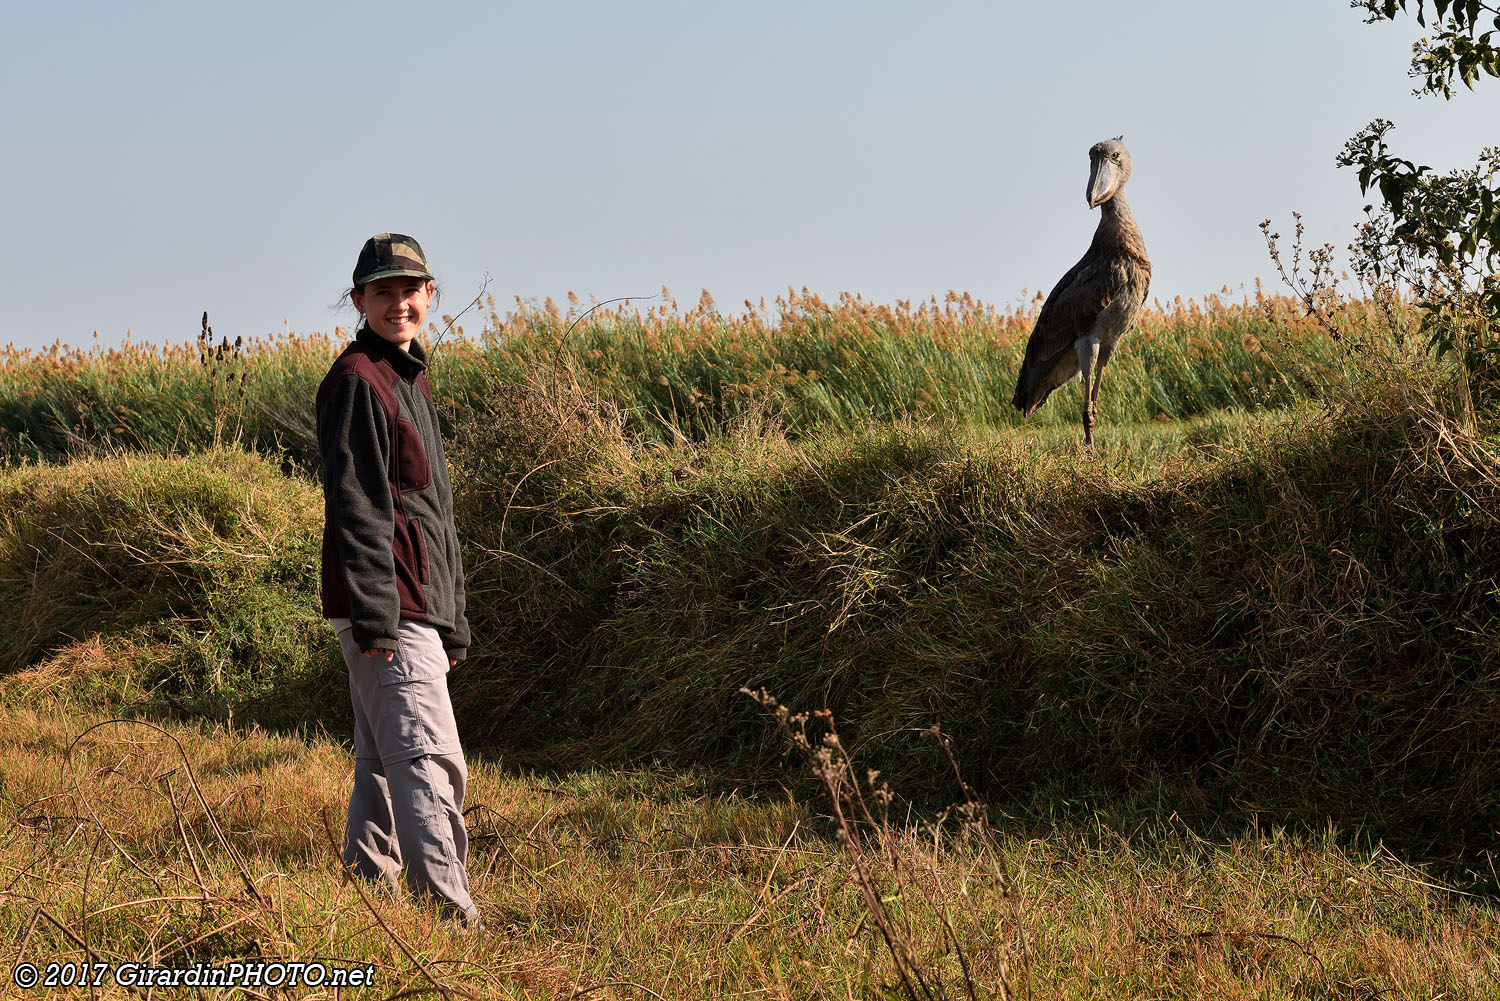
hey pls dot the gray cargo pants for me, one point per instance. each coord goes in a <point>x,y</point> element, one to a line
<point>406,809</point>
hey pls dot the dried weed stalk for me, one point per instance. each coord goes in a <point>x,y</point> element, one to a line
<point>898,889</point>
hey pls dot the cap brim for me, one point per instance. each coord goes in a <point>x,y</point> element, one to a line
<point>394,273</point>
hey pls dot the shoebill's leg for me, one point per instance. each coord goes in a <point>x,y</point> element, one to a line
<point>1088,357</point>
<point>1105,350</point>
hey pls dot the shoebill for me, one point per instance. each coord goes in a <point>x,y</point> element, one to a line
<point>1096,302</point>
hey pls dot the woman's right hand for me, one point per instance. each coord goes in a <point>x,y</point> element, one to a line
<point>389,654</point>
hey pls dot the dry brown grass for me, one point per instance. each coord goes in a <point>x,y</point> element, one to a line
<point>628,885</point>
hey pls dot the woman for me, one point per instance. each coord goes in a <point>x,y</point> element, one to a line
<point>393,584</point>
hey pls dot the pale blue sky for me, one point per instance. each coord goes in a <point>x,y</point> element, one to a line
<point>163,158</point>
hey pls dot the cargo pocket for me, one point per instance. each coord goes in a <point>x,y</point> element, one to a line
<point>419,656</point>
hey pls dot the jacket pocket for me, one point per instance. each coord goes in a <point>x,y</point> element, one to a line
<point>419,550</point>
<point>411,564</point>
<point>413,471</point>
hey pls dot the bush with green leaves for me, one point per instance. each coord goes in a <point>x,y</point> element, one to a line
<point>1438,234</point>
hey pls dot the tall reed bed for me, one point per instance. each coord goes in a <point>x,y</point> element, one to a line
<point>675,373</point>
<point>845,363</point>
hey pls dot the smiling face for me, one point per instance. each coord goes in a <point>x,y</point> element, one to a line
<point>395,308</point>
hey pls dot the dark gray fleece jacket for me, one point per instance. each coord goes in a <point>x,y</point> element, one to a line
<point>390,550</point>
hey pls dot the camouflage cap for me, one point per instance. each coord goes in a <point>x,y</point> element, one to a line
<point>390,255</point>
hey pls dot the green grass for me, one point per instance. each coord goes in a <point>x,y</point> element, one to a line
<point>1249,614</point>
<point>185,584</point>
<point>1245,615</point>
<point>673,373</point>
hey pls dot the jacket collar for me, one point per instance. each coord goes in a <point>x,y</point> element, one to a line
<point>409,364</point>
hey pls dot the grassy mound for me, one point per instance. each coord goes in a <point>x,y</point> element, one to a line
<point>182,583</point>
<point>1289,618</point>
<point>1283,615</point>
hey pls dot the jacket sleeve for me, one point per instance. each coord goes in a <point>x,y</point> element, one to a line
<point>456,640</point>
<point>354,440</point>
